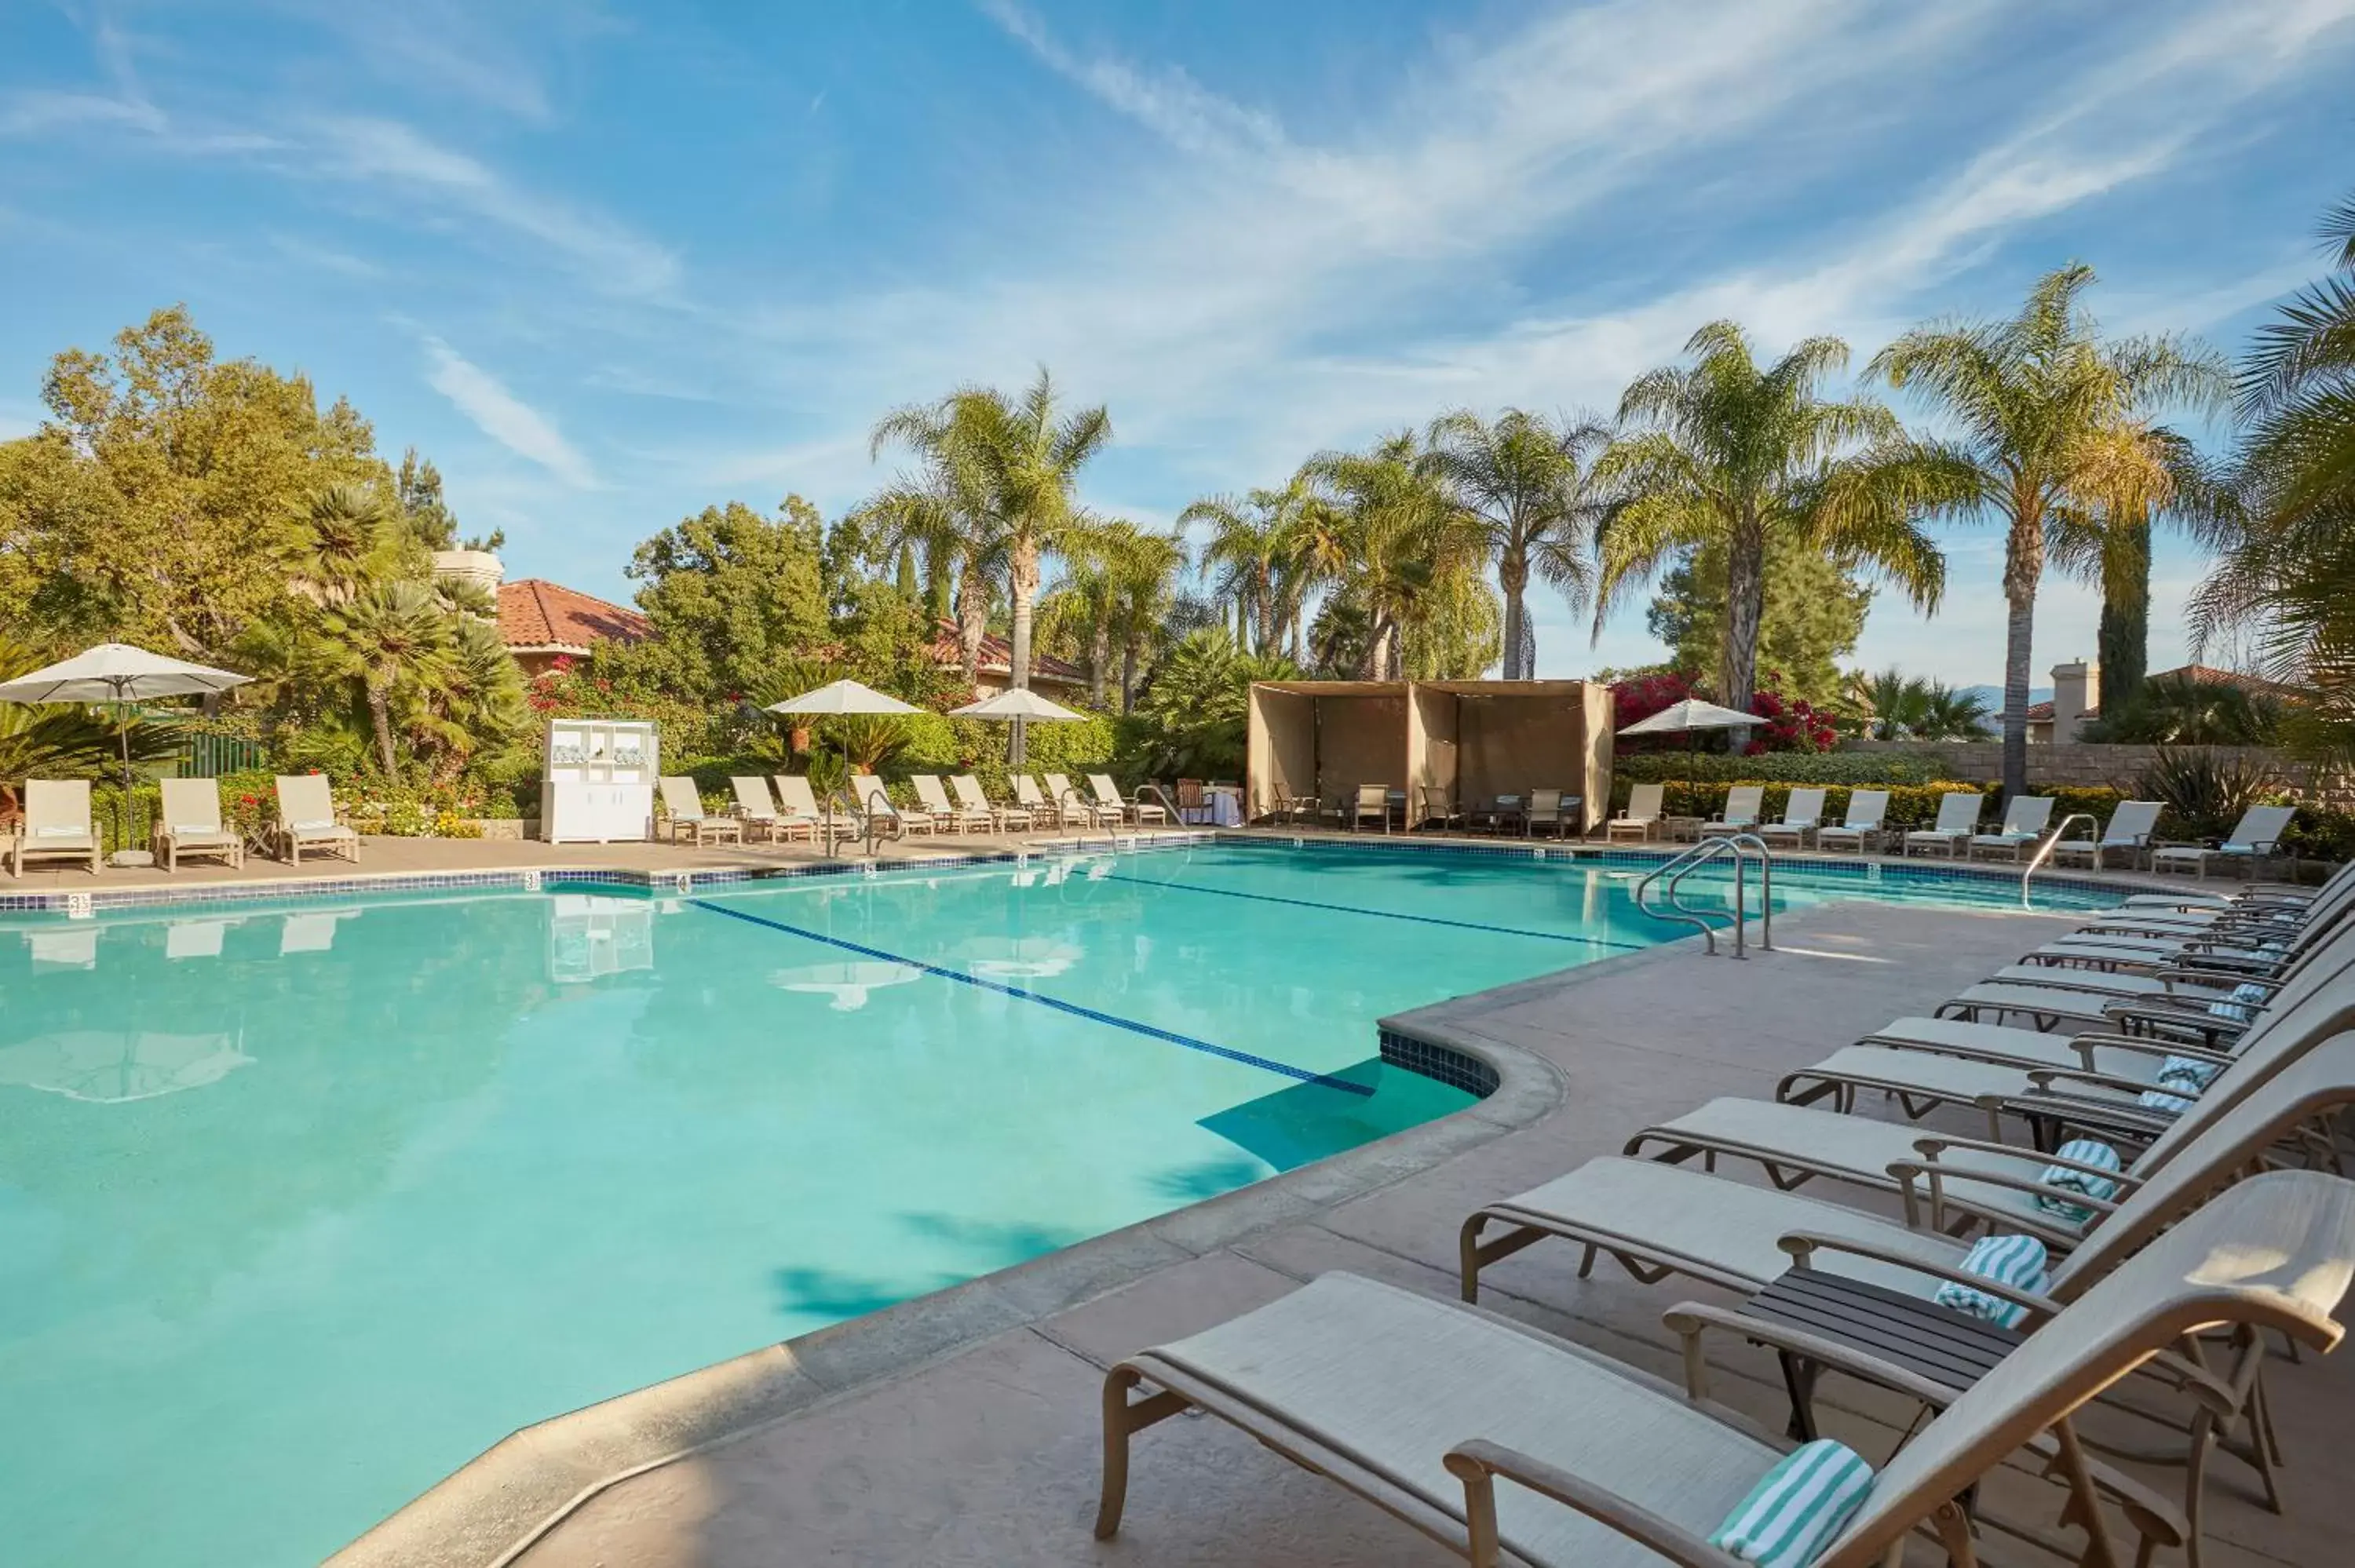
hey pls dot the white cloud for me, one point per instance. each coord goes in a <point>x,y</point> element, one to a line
<point>612,258</point>
<point>503,417</point>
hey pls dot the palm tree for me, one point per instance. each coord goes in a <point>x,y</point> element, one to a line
<point>2285,566</point>
<point>348,537</point>
<point>1892,700</point>
<point>944,512</point>
<point>1529,482</point>
<point>1391,539</point>
<point>393,633</point>
<point>1756,460</point>
<point>1250,539</point>
<point>2051,421</point>
<point>1947,714</point>
<point>1144,580</point>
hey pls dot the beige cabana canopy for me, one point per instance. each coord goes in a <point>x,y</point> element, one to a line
<point>1475,739</point>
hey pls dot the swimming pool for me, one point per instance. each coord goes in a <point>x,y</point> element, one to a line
<point>303,1205</point>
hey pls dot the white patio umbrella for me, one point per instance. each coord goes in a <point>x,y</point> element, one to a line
<point>837,698</point>
<point>1690,717</point>
<point>1021,704</point>
<point>118,672</point>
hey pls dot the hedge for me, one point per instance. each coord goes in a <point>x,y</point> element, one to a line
<point>1868,768</point>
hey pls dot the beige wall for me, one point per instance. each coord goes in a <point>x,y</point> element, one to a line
<point>1431,746</point>
<point>1359,740</point>
<point>1510,746</point>
<point>1280,748</point>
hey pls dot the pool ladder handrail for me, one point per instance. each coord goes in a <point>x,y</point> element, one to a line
<point>1685,861</point>
<point>841,795</point>
<point>2044,851</point>
<point>1169,803</point>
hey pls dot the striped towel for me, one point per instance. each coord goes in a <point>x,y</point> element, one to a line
<point>2183,1076</point>
<point>2016,1261</point>
<point>2241,1008</point>
<point>1798,1507</point>
<point>2085,1151</point>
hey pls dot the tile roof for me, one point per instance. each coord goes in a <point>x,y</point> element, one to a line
<point>538,614</point>
<point>2205,674</point>
<point>998,657</point>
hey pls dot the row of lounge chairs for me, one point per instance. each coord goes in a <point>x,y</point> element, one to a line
<point>794,811</point>
<point>2025,1283</point>
<point>2131,830</point>
<point>58,826</point>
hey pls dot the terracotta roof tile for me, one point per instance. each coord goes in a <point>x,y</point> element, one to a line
<point>535,613</point>
<point>997,656</point>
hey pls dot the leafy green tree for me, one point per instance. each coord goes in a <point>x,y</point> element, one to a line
<point>2179,709</point>
<point>1529,482</point>
<point>158,503</point>
<point>392,636</point>
<point>1811,613</point>
<point>1196,707</point>
<point>348,537</point>
<point>1252,540</point>
<point>2052,420</point>
<point>729,592</point>
<point>1759,462</point>
<point>2285,564</point>
<point>1395,545</point>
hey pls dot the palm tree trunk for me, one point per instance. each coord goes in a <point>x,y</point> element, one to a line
<point>1745,602</point>
<point>1024,573</point>
<point>1129,651</point>
<point>1300,635</point>
<point>1513,576</point>
<point>379,705</point>
<point>973,621</point>
<point>1098,661</point>
<point>2023,563</point>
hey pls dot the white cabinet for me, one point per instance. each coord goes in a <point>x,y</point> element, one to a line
<point>599,785</point>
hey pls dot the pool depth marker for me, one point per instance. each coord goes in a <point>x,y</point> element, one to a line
<point>1378,914</point>
<point>1072,1008</point>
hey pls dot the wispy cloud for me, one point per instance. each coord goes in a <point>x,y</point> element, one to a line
<point>610,256</point>
<point>325,258</point>
<point>502,415</point>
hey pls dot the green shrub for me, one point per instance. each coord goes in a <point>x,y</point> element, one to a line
<point>1866,767</point>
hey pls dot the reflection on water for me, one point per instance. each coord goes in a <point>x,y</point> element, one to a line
<point>312,931</point>
<point>590,936</point>
<point>65,948</point>
<point>194,938</point>
<point>847,983</point>
<point>110,1068</point>
<point>1018,958</point>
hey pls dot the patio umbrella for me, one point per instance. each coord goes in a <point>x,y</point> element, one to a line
<point>833,700</point>
<point>118,672</point>
<point>1019,705</point>
<point>1690,717</point>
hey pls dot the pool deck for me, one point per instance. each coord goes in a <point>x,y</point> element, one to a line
<point>962,1428</point>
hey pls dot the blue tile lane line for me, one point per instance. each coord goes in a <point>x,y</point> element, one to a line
<point>1074,1009</point>
<point>1378,914</point>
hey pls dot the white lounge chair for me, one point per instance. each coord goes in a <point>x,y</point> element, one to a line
<point>1090,812</point>
<point>1138,812</point>
<point>1057,813</point>
<point>1742,804</point>
<point>2256,838</point>
<point>57,825</point>
<point>1862,831</point>
<point>757,810</point>
<point>874,806</point>
<point>1958,818</point>
<point>945,813</point>
<point>307,819</point>
<point>801,806</point>
<point>1641,820</point>
<point>191,825</point>
<point>2024,821</point>
<point>683,805</point>
<point>2129,830</point>
<point>1802,816</point>
<point>973,797</point>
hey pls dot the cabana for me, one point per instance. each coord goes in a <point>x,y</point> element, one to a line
<point>1472,741</point>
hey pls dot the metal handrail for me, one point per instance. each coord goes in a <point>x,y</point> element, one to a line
<point>1169,803</point>
<point>2044,851</point>
<point>838,794</point>
<point>1685,861</point>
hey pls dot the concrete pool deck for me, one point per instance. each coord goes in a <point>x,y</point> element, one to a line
<point>962,1428</point>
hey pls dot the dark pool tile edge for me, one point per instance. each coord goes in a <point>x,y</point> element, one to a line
<point>491,1511</point>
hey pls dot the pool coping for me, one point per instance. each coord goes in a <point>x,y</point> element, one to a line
<point>492,1510</point>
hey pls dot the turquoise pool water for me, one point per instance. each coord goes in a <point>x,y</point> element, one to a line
<point>301,1206</point>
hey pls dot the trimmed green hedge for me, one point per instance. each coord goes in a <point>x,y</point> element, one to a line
<point>1867,768</point>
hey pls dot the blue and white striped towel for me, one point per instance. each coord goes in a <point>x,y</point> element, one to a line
<point>1797,1509</point>
<point>2178,1076</point>
<point>2243,1005</point>
<point>2083,1151</point>
<point>2016,1261</point>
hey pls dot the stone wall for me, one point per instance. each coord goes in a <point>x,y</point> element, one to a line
<point>2078,765</point>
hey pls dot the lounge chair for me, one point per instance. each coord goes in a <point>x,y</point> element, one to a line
<point>2256,838</point>
<point>1742,804</point>
<point>307,819</point>
<point>1803,815</point>
<point>946,813</point>
<point>874,808</point>
<point>1958,819</point>
<point>1419,1406</point>
<point>1947,1182</point>
<point>1641,820</point>
<point>1079,804</point>
<point>1861,831</point>
<point>1436,805</point>
<point>1286,807</point>
<point>2025,818</point>
<point>801,807</point>
<point>1550,809</point>
<point>1058,813</point>
<point>191,825</point>
<point>1373,801</point>
<point>1002,819</point>
<point>683,807</point>
<point>1138,812</point>
<point>2129,830</point>
<point>756,809</point>
<point>57,825</point>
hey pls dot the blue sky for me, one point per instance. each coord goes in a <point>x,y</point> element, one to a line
<point>609,264</point>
